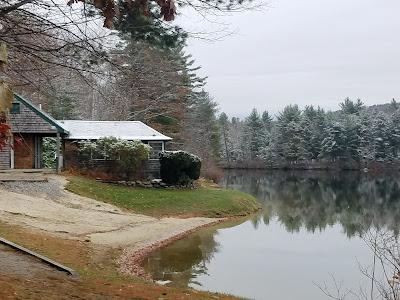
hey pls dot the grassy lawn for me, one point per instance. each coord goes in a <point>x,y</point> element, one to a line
<point>204,201</point>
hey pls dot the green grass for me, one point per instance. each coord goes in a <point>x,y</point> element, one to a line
<point>204,201</point>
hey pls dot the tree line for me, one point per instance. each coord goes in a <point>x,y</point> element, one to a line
<point>355,133</point>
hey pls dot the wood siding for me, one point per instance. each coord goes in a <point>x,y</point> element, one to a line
<point>27,121</point>
<point>24,153</point>
<point>5,158</point>
<point>73,160</point>
<point>71,155</point>
<point>28,126</point>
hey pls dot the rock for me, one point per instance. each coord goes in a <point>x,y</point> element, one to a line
<point>108,181</point>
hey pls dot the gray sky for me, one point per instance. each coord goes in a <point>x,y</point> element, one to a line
<point>301,51</point>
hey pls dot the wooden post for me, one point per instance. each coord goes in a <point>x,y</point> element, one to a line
<point>12,158</point>
<point>58,153</point>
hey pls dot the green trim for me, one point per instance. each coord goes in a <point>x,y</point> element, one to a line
<point>41,113</point>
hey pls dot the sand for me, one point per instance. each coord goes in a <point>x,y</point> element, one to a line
<point>49,208</point>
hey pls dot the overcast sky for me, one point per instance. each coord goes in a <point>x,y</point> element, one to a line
<point>301,51</point>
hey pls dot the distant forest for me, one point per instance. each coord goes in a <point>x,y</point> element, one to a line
<point>354,136</point>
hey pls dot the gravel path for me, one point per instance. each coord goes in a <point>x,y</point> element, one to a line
<point>48,207</point>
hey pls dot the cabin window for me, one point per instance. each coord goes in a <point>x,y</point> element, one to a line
<point>156,149</point>
<point>16,108</point>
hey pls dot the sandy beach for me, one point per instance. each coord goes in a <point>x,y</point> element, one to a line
<point>48,207</point>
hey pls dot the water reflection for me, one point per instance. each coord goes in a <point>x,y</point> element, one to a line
<point>185,260</point>
<point>315,200</point>
<point>311,223</point>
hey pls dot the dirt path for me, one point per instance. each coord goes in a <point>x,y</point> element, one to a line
<point>48,207</point>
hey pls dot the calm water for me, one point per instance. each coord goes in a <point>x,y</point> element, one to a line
<point>308,233</point>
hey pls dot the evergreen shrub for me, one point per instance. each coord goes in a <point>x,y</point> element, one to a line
<point>179,167</point>
<point>128,156</point>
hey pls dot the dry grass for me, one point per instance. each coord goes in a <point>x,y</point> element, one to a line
<point>97,268</point>
<point>210,170</point>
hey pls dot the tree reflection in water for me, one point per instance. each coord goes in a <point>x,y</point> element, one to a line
<point>298,200</point>
<point>184,260</point>
<point>315,200</point>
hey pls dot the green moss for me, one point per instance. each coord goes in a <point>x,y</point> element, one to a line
<point>204,201</point>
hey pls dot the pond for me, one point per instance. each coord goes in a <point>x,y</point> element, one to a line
<point>308,236</point>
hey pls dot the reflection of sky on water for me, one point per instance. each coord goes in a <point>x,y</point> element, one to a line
<point>309,231</point>
<point>271,262</point>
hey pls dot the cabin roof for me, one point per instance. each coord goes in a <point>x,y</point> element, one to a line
<point>126,130</point>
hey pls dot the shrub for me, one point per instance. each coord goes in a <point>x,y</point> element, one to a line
<point>128,156</point>
<point>49,153</point>
<point>179,167</point>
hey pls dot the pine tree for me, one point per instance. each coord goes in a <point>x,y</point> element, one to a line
<point>202,132</point>
<point>381,137</point>
<point>366,143</point>
<point>136,26</point>
<point>267,121</point>
<point>254,134</point>
<point>288,144</point>
<point>62,107</point>
<point>351,137</point>
<point>313,131</point>
<point>395,133</point>
<point>224,127</point>
<point>350,107</point>
<point>332,144</point>
<point>394,105</point>
<point>236,136</point>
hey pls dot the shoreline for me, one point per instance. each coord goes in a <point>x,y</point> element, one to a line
<point>49,207</point>
<point>131,260</point>
<point>341,166</point>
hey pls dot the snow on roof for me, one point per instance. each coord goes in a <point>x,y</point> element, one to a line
<point>126,130</point>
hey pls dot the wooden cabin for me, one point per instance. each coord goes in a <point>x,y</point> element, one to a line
<point>79,130</point>
<point>30,124</point>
